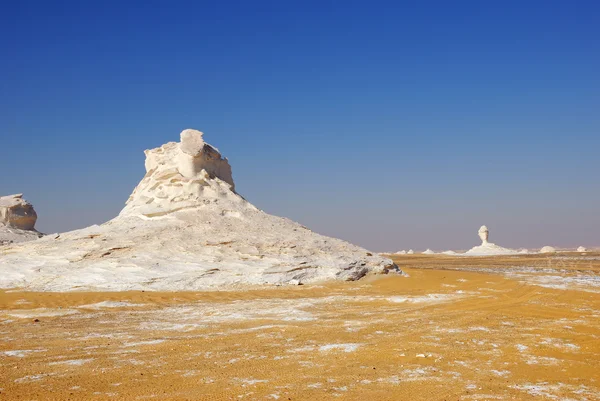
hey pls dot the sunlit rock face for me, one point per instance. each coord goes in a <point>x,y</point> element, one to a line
<point>181,175</point>
<point>16,212</point>
<point>185,227</point>
<point>17,220</point>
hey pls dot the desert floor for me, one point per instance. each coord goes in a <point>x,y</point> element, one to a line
<point>457,328</point>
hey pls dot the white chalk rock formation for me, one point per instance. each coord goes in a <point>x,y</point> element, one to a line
<point>185,228</point>
<point>16,212</point>
<point>180,176</point>
<point>581,249</point>
<point>548,249</point>
<point>410,252</point>
<point>17,220</point>
<point>428,252</point>
<point>487,248</point>
<point>484,234</point>
<point>449,253</point>
<point>403,252</point>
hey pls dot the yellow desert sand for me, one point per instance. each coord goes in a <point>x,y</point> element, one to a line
<point>457,328</point>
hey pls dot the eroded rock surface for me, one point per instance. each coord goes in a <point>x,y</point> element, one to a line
<point>16,212</point>
<point>185,228</point>
<point>180,176</point>
<point>17,220</point>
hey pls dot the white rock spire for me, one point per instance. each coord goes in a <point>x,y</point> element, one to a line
<point>483,234</point>
<point>487,248</point>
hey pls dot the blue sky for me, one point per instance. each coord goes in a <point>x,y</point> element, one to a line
<point>394,125</point>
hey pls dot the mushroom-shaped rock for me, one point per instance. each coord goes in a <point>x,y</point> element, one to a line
<point>487,248</point>
<point>581,249</point>
<point>16,212</point>
<point>17,220</point>
<point>484,234</point>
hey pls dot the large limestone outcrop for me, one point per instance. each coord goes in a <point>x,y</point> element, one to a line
<point>487,248</point>
<point>185,228</point>
<point>17,220</point>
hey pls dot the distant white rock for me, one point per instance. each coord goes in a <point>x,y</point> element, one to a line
<point>410,252</point>
<point>523,251</point>
<point>17,220</point>
<point>487,248</point>
<point>401,253</point>
<point>428,252</point>
<point>185,228</point>
<point>581,249</point>
<point>483,233</point>
<point>548,249</point>
<point>450,253</point>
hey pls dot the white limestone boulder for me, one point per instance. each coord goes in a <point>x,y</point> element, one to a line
<point>17,220</point>
<point>16,212</point>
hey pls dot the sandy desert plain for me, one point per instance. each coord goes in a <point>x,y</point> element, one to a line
<point>454,328</point>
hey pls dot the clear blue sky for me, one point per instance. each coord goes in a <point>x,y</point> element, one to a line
<point>394,125</point>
